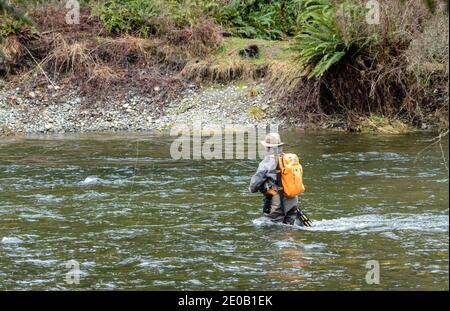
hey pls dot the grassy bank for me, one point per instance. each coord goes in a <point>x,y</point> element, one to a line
<point>322,62</point>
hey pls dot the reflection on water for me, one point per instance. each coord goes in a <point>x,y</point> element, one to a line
<point>150,222</point>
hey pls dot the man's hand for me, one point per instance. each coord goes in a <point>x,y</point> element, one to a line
<point>262,188</point>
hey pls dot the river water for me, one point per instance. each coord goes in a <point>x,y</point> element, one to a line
<point>134,218</point>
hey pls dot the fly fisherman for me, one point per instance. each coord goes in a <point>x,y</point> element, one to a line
<point>280,178</point>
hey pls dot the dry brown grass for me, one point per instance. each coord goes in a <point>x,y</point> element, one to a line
<point>428,66</point>
<point>284,78</point>
<point>128,51</point>
<point>70,58</point>
<point>125,51</point>
<point>103,72</point>
<point>299,98</point>
<point>381,125</point>
<point>85,57</point>
<point>13,48</point>
<point>100,68</point>
<point>201,71</point>
<point>97,65</point>
<point>198,40</point>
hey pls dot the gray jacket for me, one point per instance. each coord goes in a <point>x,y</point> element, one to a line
<point>265,171</point>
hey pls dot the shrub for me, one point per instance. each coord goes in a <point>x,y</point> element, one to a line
<point>7,9</point>
<point>15,31</point>
<point>199,39</point>
<point>187,13</point>
<point>11,20</point>
<point>265,19</point>
<point>259,18</point>
<point>138,17</point>
<point>428,64</point>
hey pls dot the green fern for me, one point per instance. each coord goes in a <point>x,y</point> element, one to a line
<point>265,19</point>
<point>322,43</point>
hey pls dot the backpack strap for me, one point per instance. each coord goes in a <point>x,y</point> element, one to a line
<point>280,164</point>
<point>279,183</point>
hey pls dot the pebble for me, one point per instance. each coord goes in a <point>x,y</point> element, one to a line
<point>223,105</point>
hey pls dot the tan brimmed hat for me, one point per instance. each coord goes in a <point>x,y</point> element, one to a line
<point>272,140</point>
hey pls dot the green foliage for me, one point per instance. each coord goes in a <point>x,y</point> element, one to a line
<point>320,43</point>
<point>9,11</point>
<point>139,17</point>
<point>328,33</point>
<point>259,18</point>
<point>189,12</point>
<point>9,25</point>
<point>264,19</point>
<point>12,21</point>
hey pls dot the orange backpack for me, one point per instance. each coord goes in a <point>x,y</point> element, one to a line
<point>291,172</point>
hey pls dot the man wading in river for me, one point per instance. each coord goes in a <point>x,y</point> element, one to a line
<point>280,178</point>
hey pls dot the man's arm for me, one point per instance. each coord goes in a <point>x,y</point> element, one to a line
<point>258,179</point>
